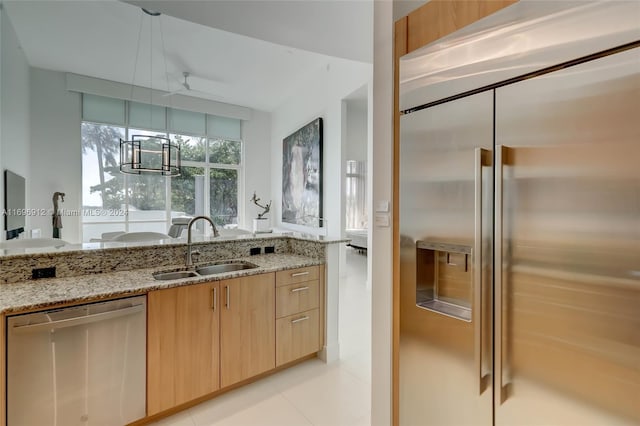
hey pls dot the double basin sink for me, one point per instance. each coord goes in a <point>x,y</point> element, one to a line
<point>218,268</point>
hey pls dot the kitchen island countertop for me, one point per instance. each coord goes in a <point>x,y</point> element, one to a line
<point>44,293</point>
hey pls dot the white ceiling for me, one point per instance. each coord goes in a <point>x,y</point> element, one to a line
<point>100,39</point>
<point>340,28</point>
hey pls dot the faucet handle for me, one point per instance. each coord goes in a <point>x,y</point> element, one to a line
<point>194,256</point>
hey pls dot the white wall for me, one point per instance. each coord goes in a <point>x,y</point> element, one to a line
<point>114,89</point>
<point>321,96</point>
<point>381,238</point>
<point>256,134</point>
<point>357,122</point>
<point>2,37</point>
<point>14,112</point>
<point>402,8</point>
<point>56,156</point>
<point>2,234</point>
<point>385,13</point>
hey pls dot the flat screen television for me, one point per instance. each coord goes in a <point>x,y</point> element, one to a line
<point>14,204</point>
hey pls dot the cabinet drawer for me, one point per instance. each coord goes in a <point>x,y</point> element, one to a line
<point>297,336</point>
<point>294,298</point>
<point>299,275</point>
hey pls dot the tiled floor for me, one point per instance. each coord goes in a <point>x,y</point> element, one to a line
<point>310,393</point>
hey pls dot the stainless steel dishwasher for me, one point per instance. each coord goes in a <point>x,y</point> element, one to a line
<point>82,365</point>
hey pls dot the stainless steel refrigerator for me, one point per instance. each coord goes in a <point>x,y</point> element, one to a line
<point>520,248</point>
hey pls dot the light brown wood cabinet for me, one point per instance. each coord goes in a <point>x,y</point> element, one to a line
<point>182,345</point>
<point>299,275</point>
<point>297,336</point>
<point>247,327</point>
<point>294,298</point>
<point>206,337</point>
<point>297,313</point>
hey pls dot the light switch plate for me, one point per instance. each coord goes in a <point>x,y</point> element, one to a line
<point>382,206</point>
<point>382,220</point>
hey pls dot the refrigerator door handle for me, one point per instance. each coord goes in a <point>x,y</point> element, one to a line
<point>502,384</point>
<point>481,160</point>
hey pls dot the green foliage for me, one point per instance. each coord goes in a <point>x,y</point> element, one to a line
<point>224,196</point>
<point>224,152</point>
<point>192,148</point>
<point>183,190</point>
<point>105,141</point>
<point>106,137</point>
<point>112,192</point>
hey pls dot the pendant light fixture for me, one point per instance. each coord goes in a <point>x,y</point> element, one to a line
<point>149,154</point>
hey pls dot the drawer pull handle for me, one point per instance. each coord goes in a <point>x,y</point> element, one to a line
<point>295,290</point>
<point>299,274</point>
<point>299,320</point>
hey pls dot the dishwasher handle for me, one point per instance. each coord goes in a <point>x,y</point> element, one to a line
<point>81,320</point>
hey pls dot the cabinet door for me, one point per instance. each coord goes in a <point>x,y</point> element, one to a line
<point>247,327</point>
<point>297,336</point>
<point>292,276</point>
<point>294,298</point>
<point>183,345</point>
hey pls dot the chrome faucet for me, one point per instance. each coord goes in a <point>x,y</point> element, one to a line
<point>189,256</point>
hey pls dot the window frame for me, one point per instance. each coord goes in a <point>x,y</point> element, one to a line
<point>206,165</point>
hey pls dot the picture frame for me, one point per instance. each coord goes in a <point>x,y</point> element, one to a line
<point>302,175</point>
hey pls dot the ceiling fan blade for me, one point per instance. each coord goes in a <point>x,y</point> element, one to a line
<point>175,92</point>
<point>188,90</point>
<point>185,85</point>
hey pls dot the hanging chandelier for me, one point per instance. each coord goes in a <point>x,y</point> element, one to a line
<point>149,154</point>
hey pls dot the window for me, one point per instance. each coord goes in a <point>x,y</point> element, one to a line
<point>356,195</point>
<point>115,202</point>
<point>193,193</point>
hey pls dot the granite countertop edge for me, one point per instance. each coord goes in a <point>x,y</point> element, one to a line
<point>110,247</point>
<point>46,293</point>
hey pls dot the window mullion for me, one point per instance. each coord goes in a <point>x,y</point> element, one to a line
<point>125,181</point>
<point>167,189</point>
<point>225,166</point>
<point>207,190</point>
<point>241,196</point>
<point>126,189</point>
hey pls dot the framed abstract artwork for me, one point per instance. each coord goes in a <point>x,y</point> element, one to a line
<point>302,175</point>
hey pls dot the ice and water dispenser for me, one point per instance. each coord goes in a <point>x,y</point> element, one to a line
<point>444,278</point>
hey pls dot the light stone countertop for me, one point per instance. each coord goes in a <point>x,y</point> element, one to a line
<point>170,242</point>
<point>44,293</point>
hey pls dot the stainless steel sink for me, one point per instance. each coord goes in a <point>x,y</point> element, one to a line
<point>219,268</point>
<point>174,275</point>
<point>223,267</point>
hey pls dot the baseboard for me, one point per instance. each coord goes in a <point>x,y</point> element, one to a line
<point>330,353</point>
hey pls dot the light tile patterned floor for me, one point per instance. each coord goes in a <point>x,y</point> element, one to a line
<point>311,393</point>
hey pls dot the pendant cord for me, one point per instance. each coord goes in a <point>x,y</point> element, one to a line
<point>135,61</point>
<point>150,71</point>
<point>164,59</point>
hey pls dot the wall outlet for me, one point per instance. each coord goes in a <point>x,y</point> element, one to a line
<point>255,250</point>
<point>269,249</point>
<point>43,272</point>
